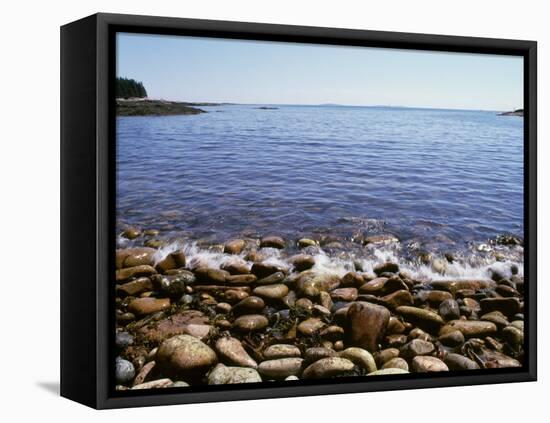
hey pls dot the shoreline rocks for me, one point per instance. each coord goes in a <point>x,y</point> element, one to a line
<point>272,310</point>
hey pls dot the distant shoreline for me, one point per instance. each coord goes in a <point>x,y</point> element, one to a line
<point>146,107</point>
<point>517,112</point>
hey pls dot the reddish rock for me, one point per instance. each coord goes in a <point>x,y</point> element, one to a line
<point>367,325</point>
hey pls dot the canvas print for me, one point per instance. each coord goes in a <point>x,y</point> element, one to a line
<point>290,212</point>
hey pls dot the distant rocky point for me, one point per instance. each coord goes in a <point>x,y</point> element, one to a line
<point>148,107</point>
<point>517,112</point>
<point>267,108</point>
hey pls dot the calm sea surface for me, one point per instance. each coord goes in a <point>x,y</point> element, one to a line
<point>434,177</point>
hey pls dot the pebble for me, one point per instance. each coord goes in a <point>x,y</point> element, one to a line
<point>132,272</point>
<point>221,375</point>
<point>281,351</point>
<point>422,364</point>
<point>470,328</point>
<point>389,371</point>
<point>123,340</point>
<point>272,242</point>
<point>367,325</point>
<point>250,323</point>
<point>124,371</point>
<point>141,306</point>
<point>449,309</point>
<point>248,305</point>
<point>360,357</point>
<point>310,326</point>
<point>328,367</point>
<point>396,363</point>
<point>185,355</point>
<point>281,368</point>
<point>416,347</point>
<point>452,339</point>
<point>155,384</point>
<point>271,292</point>
<point>232,351</point>
<point>425,319</point>
<point>234,246</point>
<point>302,262</point>
<point>459,362</point>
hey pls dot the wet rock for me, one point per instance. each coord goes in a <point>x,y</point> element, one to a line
<point>396,341</point>
<point>185,356</point>
<point>276,277</point>
<point>380,239</point>
<point>234,246</point>
<point>449,309</point>
<point>239,280</point>
<point>459,362</point>
<point>425,319</point>
<point>281,351</point>
<point>132,272</point>
<point>281,368</point>
<point>325,300</point>
<point>310,326</point>
<point>383,286</point>
<point>302,262</point>
<point>423,364</point>
<point>469,328</point>
<point>434,297</point>
<point>507,306</point>
<point>452,339</point>
<point>135,287</point>
<point>250,323</point>
<point>174,260</point>
<point>360,357</point>
<point>123,340</point>
<point>415,348</point>
<point>513,335</point>
<point>385,355</point>
<point>124,371</point>
<point>175,324</point>
<point>395,326</point>
<point>131,233</point>
<point>396,363</point>
<point>131,257</point>
<point>344,294</point>
<point>353,279</point>
<point>316,353</point>
<point>263,270</point>
<point>141,306</point>
<point>332,333</point>
<point>367,325</point>
<point>304,304</point>
<point>306,242</point>
<point>248,305</point>
<point>396,299</point>
<point>497,318</point>
<point>387,267</point>
<point>155,384</point>
<point>271,292</point>
<point>235,295</point>
<point>198,331</point>
<point>454,286</point>
<point>231,350</point>
<point>222,375</point>
<point>311,283</point>
<point>272,242</point>
<point>223,308</point>
<point>236,266</point>
<point>328,367</point>
<point>389,371</point>
<point>173,285</point>
<point>211,276</point>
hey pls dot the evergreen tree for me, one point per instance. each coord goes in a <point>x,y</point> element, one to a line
<point>126,88</point>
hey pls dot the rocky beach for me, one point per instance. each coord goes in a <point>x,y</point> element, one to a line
<point>268,308</point>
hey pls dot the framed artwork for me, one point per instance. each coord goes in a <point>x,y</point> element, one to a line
<point>256,211</point>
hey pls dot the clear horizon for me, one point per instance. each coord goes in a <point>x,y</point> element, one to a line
<point>194,69</point>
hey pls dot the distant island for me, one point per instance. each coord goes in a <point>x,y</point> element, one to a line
<point>517,112</point>
<point>131,100</point>
<point>148,107</point>
<point>267,108</point>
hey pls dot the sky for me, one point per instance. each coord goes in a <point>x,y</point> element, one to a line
<point>197,69</point>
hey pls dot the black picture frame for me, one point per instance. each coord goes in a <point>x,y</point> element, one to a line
<point>87,206</point>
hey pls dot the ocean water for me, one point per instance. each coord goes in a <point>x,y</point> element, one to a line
<point>439,180</point>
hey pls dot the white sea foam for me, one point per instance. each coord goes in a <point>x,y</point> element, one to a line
<point>468,267</point>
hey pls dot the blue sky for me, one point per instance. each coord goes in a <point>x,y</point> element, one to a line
<point>222,70</point>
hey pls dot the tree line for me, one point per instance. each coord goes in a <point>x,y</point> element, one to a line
<point>126,88</point>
